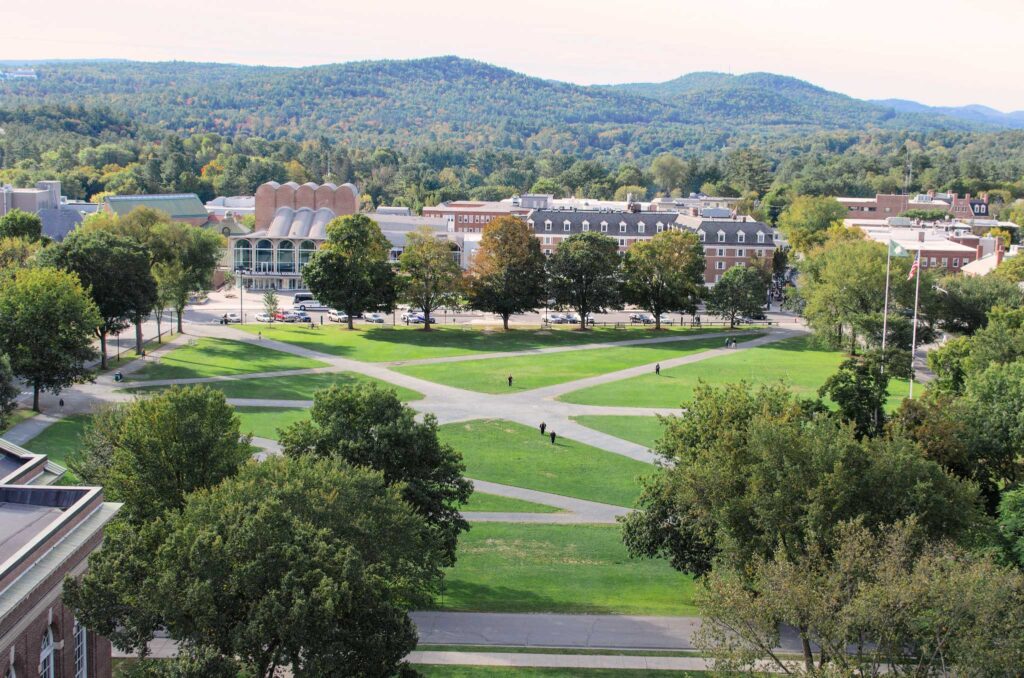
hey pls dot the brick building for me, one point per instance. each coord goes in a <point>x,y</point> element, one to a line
<point>883,205</point>
<point>470,216</point>
<point>46,533</point>
<point>942,250</point>
<point>727,242</point>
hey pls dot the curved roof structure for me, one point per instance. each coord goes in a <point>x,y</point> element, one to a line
<point>300,223</point>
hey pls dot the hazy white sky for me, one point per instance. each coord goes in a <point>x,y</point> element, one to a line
<point>939,52</point>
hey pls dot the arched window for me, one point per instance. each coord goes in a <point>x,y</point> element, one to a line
<point>243,254</point>
<point>285,257</point>
<point>46,658</point>
<point>306,250</point>
<point>81,651</point>
<point>264,256</point>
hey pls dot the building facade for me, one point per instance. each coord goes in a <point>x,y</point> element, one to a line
<point>883,205</point>
<point>470,216</point>
<point>59,215</point>
<point>46,534</point>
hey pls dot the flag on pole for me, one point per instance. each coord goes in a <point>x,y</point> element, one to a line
<point>913,267</point>
<point>897,250</point>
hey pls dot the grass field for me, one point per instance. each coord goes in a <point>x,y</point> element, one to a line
<point>535,371</point>
<point>801,366</point>
<point>263,422</point>
<point>481,501</point>
<point>512,454</point>
<point>454,671</point>
<point>516,567</point>
<point>19,415</point>
<point>640,430</point>
<point>212,357</point>
<point>386,344</point>
<point>58,439</point>
<point>295,387</point>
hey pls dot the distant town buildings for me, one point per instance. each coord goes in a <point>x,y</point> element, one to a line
<point>471,216</point>
<point>59,215</point>
<point>46,534</point>
<point>948,251</point>
<point>884,205</point>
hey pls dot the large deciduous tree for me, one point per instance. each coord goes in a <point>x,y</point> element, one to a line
<point>430,276</point>
<point>154,451</point>
<point>309,564</point>
<point>190,255</point>
<point>665,273</point>
<point>21,224</point>
<point>351,271</point>
<point>584,274</point>
<point>369,426</point>
<point>46,328</point>
<point>807,220</point>
<point>116,271</point>
<point>740,292</point>
<point>962,302</point>
<point>507,276</point>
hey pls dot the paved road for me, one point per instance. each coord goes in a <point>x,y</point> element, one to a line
<point>573,661</point>
<point>574,510</point>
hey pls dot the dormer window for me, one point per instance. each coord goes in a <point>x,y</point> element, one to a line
<point>721,236</point>
<point>586,225</point>
<point>741,237</point>
<point>622,227</point>
<point>661,227</point>
<point>604,226</point>
<point>703,235</point>
<point>530,222</point>
<point>547,225</point>
<point>566,225</point>
<point>640,227</point>
<point>760,237</point>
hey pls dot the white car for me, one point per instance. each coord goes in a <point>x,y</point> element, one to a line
<point>264,318</point>
<point>336,316</point>
<point>374,318</point>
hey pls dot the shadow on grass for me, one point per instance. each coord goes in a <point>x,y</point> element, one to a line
<point>495,598</point>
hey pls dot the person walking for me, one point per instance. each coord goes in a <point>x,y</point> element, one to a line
<point>542,427</point>
<point>657,369</point>
<point>552,437</point>
<point>510,381</point>
<point>259,336</point>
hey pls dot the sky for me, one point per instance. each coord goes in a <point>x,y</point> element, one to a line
<point>938,52</point>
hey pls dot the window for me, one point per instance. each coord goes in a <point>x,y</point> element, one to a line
<point>604,226</point>
<point>586,225</point>
<point>701,234</point>
<point>243,254</point>
<point>717,278</point>
<point>640,227</point>
<point>622,242</point>
<point>306,250</point>
<point>529,222</point>
<point>933,261</point>
<point>944,262</point>
<point>721,236</point>
<point>661,227</point>
<point>721,252</point>
<point>547,240</point>
<point>81,651</point>
<point>740,253</point>
<point>264,256</point>
<point>760,237</point>
<point>956,262</point>
<point>741,237</point>
<point>547,225</point>
<point>720,265</point>
<point>46,659</point>
<point>622,227</point>
<point>566,226</point>
<point>285,257</point>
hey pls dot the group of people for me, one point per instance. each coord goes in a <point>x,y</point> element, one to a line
<point>551,434</point>
<point>730,342</point>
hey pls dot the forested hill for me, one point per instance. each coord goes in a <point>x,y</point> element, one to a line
<point>448,99</point>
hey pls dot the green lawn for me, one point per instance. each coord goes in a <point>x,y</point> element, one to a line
<point>386,344</point>
<point>294,387</point>
<point>58,439</point>
<point>803,367</point>
<point>492,503</point>
<point>212,357</point>
<point>640,430</point>
<point>19,415</point>
<point>455,671</point>
<point>512,454</point>
<point>535,371</point>
<point>584,569</point>
<point>263,422</point>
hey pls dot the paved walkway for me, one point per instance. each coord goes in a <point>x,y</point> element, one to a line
<point>573,661</point>
<point>575,510</point>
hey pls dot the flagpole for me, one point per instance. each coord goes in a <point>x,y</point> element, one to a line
<point>885,312</point>
<point>913,336</point>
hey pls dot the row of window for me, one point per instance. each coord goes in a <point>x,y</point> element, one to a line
<point>474,218</point>
<point>741,237</point>
<point>48,655</point>
<point>931,262</point>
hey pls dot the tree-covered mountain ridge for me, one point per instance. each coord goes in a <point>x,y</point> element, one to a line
<point>453,99</point>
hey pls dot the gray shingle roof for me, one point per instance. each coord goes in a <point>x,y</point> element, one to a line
<point>649,221</point>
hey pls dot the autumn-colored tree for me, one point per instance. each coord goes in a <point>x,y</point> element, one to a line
<point>665,273</point>
<point>507,276</point>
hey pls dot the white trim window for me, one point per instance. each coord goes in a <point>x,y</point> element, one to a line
<point>702,235</point>
<point>47,668</point>
<point>586,225</point>
<point>956,262</point>
<point>740,253</point>
<point>661,227</point>
<point>622,227</point>
<point>529,222</point>
<point>547,225</point>
<point>81,637</point>
<point>760,237</point>
<point>604,226</point>
<point>721,236</point>
<point>720,265</point>
<point>721,251</point>
<point>566,225</point>
<point>741,236</point>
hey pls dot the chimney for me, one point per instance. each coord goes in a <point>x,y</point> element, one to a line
<point>920,235</point>
<point>694,212</point>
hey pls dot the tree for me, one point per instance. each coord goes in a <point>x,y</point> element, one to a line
<point>15,253</point>
<point>431,277</point>
<point>883,602</point>
<point>46,328</point>
<point>1001,233</point>
<point>994,399</point>
<point>21,224</point>
<point>963,302</point>
<point>807,219</point>
<point>370,427</point>
<point>548,186</point>
<point>1000,342</point>
<point>152,452</point>
<point>1011,523</point>
<point>749,470</point>
<point>665,273</point>
<point>351,271</point>
<point>741,292</point>
<point>1011,269</point>
<point>191,256</point>
<point>926,215</point>
<point>270,303</point>
<point>861,390</point>
<point>507,276</point>
<point>116,271</point>
<point>309,564</point>
<point>9,392</point>
<point>669,172</point>
<point>583,274</point>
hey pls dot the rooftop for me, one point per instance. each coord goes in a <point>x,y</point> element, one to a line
<point>178,205</point>
<point>20,523</point>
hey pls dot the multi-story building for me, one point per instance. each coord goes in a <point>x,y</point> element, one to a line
<point>181,207</point>
<point>470,216</point>
<point>883,205</point>
<point>59,215</point>
<point>727,242</point>
<point>46,534</point>
<point>947,252</point>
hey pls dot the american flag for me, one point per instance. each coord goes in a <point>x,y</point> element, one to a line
<point>913,267</point>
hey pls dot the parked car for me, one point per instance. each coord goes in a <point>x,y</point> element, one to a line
<point>301,317</point>
<point>557,318</point>
<point>645,318</point>
<point>285,316</point>
<point>374,317</point>
<point>572,318</point>
<point>336,316</point>
<point>665,318</point>
<point>264,318</point>
<point>232,318</point>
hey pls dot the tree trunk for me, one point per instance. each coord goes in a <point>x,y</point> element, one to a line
<point>350,326</point>
<point>808,656</point>
<point>504,320</point>
<point>103,350</point>
<point>138,335</point>
<point>159,338</point>
<point>180,311</point>
<point>35,396</point>
<point>657,321</point>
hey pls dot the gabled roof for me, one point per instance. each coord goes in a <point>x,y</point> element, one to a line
<point>178,205</point>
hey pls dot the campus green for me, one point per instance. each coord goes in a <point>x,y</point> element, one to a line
<point>640,430</point>
<point>292,387</point>
<point>492,503</point>
<point>212,357</point>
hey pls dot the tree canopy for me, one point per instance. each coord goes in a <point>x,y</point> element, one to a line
<point>430,276</point>
<point>742,291</point>
<point>665,273</point>
<point>507,275</point>
<point>584,275</point>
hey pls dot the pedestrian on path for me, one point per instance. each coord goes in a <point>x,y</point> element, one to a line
<point>510,381</point>
<point>727,340</point>
<point>542,427</point>
<point>552,437</point>
<point>259,336</point>
<point>657,369</point>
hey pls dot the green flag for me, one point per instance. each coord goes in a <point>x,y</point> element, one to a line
<point>897,250</point>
